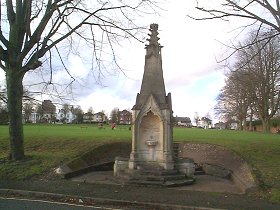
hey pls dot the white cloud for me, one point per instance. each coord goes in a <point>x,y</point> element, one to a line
<point>104,100</point>
<point>76,67</point>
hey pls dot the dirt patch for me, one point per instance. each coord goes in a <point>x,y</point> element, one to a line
<point>219,156</point>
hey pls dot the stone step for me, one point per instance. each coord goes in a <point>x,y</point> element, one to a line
<point>199,173</point>
<point>164,178</point>
<point>178,183</point>
<point>198,170</point>
<point>159,178</point>
<point>157,173</point>
<point>145,182</point>
<point>173,183</point>
<point>175,149</point>
<point>175,177</point>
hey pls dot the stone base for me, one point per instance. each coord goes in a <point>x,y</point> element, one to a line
<point>154,174</point>
<point>185,166</point>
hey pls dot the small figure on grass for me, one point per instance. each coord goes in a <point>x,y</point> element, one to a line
<point>113,126</point>
<point>100,125</point>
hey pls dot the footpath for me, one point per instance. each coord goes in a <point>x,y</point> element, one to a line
<point>129,196</point>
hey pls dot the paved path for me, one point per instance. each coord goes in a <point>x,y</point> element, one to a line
<point>126,196</point>
<point>204,183</point>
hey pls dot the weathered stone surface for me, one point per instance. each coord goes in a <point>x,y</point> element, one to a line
<point>120,166</point>
<point>185,166</point>
<point>216,170</point>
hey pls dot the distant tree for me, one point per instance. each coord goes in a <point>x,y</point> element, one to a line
<point>78,112</point>
<point>114,115</point>
<point>90,114</point>
<point>234,101</point>
<point>3,113</point>
<point>90,110</point>
<point>28,109</point>
<point>254,86</point>
<point>65,109</point>
<point>260,63</point>
<point>49,110</point>
<point>196,118</point>
<point>39,112</point>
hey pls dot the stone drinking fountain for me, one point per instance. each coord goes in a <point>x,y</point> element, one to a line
<point>152,160</point>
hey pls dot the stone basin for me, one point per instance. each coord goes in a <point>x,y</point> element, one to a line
<point>151,142</point>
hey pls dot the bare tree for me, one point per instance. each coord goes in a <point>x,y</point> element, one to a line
<point>90,113</point>
<point>49,110</point>
<point>78,112</point>
<point>233,102</point>
<point>114,115</point>
<point>65,109</point>
<point>34,32</point>
<point>263,12</point>
<point>261,75</point>
<point>39,113</point>
<point>255,85</point>
<point>3,113</point>
<point>28,109</point>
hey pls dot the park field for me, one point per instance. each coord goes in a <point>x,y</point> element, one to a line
<point>47,146</point>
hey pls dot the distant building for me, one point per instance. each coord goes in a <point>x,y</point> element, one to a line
<point>88,117</point>
<point>124,117</point>
<point>220,125</point>
<point>34,117</point>
<point>99,117</point>
<point>94,118</point>
<point>65,116</point>
<point>233,125</point>
<point>183,121</point>
<point>204,122</point>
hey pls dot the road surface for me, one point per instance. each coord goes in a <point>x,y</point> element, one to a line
<point>26,204</point>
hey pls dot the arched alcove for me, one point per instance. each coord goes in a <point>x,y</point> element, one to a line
<point>150,141</point>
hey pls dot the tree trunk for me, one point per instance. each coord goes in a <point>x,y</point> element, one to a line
<point>251,120</point>
<point>244,124</point>
<point>15,94</point>
<point>266,125</point>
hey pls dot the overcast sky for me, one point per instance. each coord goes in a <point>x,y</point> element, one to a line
<point>190,69</point>
<point>191,72</point>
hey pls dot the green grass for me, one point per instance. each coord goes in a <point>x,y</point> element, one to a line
<point>46,146</point>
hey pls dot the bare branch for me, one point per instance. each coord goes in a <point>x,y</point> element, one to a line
<point>234,9</point>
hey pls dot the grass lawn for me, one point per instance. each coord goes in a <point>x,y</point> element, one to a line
<point>46,146</point>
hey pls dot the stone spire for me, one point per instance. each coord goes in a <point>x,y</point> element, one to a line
<point>152,82</point>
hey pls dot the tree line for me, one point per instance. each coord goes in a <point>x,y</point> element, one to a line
<point>252,87</point>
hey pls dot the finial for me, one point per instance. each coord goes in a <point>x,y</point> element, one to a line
<point>153,36</point>
<point>154,26</point>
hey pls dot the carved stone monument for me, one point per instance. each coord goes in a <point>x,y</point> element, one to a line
<point>152,113</point>
<point>152,131</point>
